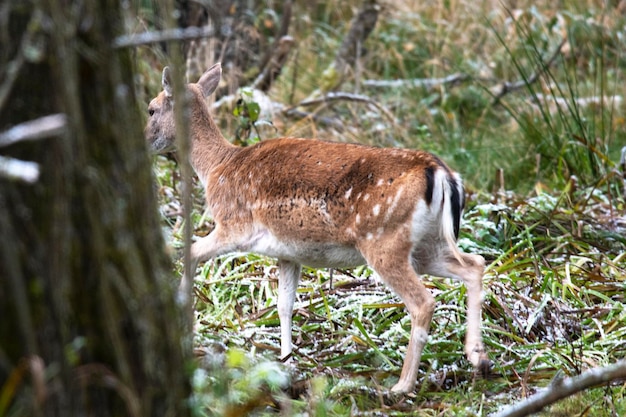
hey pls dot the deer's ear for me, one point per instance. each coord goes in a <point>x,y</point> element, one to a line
<point>166,81</point>
<point>210,79</point>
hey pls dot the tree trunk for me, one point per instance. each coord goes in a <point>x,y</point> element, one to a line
<point>88,321</point>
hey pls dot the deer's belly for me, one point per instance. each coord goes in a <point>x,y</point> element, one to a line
<point>313,254</point>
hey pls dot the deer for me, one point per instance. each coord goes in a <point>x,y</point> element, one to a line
<point>328,204</point>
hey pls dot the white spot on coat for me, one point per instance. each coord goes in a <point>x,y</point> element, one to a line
<point>394,203</point>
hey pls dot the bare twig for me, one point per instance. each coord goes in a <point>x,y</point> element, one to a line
<point>563,388</point>
<point>427,83</point>
<point>507,87</point>
<point>339,96</point>
<point>147,38</point>
<point>41,128</point>
<point>554,103</point>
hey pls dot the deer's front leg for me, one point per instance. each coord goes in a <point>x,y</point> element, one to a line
<point>210,246</point>
<point>289,275</point>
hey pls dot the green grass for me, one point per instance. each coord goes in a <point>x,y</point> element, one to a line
<point>554,301</point>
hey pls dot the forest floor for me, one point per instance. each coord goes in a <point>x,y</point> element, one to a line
<point>554,305</point>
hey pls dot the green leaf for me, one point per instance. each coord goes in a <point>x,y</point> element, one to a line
<point>253,110</point>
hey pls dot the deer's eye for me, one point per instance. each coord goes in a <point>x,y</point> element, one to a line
<point>151,112</point>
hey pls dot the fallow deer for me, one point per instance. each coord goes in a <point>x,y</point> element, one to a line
<point>325,204</point>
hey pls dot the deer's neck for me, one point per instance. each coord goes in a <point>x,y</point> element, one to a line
<point>208,147</point>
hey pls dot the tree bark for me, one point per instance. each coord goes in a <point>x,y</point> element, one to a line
<point>89,322</point>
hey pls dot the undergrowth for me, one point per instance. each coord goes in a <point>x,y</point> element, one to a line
<point>554,301</point>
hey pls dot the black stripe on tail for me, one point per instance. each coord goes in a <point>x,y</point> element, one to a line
<point>457,203</point>
<point>430,184</point>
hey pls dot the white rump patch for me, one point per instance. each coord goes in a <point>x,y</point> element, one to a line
<point>422,222</point>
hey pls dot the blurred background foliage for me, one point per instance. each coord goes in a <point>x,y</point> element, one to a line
<point>567,121</point>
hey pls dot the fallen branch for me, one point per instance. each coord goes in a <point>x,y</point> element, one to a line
<point>269,108</point>
<point>426,83</point>
<point>555,103</point>
<point>563,388</point>
<point>507,87</point>
<point>339,96</point>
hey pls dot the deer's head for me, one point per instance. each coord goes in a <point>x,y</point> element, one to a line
<point>160,131</point>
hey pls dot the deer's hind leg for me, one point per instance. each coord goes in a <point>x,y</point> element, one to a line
<point>471,273</point>
<point>390,258</point>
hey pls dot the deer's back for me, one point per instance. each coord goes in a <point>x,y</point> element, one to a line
<point>304,190</point>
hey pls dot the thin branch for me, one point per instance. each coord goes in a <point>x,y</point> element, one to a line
<point>41,128</point>
<point>427,83</point>
<point>507,87</point>
<point>563,388</point>
<point>339,96</point>
<point>269,108</point>
<point>147,38</point>
<point>554,103</point>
